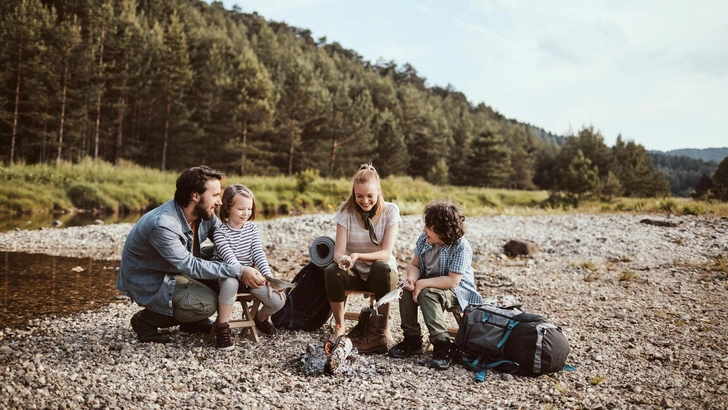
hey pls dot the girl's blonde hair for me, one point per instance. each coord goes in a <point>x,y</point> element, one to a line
<point>367,173</point>
<point>228,198</point>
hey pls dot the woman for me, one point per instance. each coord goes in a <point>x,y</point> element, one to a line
<point>366,230</point>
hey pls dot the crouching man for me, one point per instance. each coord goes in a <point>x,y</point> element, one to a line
<point>161,265</point>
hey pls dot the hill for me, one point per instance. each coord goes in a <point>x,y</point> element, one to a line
<point>705,154</point>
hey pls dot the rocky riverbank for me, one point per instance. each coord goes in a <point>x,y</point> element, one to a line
<point>642,305</point>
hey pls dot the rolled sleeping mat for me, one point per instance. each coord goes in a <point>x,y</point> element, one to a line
<point>322,251</point>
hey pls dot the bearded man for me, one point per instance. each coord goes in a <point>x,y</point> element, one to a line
<point>162,267</point>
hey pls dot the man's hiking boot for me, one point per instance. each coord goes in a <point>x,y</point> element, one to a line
<point>412,344</point>
<point>442,354</point>
<point>265,326</point>
<point>146,324</point>
<point>200,326</point>
<point>222,337</point>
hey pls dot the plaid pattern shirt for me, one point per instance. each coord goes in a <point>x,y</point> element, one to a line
<point>457,259</point>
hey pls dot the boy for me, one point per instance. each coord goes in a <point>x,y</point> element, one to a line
<point>438,278</point>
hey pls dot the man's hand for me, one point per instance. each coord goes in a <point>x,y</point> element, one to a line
<point>252,278</point>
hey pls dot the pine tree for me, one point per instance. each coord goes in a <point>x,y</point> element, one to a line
<point>178,77</point>
<point>720,180</point>
<point>488,161</point>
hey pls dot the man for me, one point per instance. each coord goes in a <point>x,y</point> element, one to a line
<point>161,263</point>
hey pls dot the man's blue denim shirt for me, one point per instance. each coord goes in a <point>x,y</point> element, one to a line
<point>158,248</point>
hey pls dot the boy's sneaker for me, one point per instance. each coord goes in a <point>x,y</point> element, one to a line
<point>223,340</point>
<point>265,326</point>
<point>412,344</point>
<point>441,355</point>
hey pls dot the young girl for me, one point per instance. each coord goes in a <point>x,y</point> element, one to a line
<point>439,277</point>
<point>238,241</point>
<point>366,230</point>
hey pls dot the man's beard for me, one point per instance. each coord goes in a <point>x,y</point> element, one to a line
<point>201,211</point>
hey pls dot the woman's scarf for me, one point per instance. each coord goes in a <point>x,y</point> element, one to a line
<point>367,217</point>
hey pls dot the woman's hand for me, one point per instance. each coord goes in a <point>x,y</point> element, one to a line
<point>345,262</point>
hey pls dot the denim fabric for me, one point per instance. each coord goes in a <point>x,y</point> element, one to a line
<point>158,248</point>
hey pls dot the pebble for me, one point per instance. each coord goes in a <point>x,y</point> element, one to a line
<point>93,360</point>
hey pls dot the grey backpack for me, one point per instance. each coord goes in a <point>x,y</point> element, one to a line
<point>511,341</point>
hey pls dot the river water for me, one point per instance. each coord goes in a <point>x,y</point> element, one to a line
<point>10,222</point>
<point>34,285</point>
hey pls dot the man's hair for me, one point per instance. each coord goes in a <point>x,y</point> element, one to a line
<point>446,220</point>
<point>193,180</point>
<point>228,198</point>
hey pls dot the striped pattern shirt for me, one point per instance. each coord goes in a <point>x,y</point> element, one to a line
<point>241,246</point>
<point>456,259</point>
<point>357,237</point>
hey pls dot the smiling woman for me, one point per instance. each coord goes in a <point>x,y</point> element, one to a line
<point>366,232</point>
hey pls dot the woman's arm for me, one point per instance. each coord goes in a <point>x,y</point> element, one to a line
<point>342,238</point>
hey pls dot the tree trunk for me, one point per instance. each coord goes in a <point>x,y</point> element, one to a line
<point>245,148</point>
<point>17,101</point>
<point>122,108</point>
<point>42,156</point>
<point>166,123</point>
<point>100,91</point>
<point>290,151</point>
<point>63,112</point>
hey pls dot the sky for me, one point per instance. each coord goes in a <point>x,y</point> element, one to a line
<point>655,72</point>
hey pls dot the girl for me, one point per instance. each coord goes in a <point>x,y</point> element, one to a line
<point>366,230</point>
<point>238,242</point>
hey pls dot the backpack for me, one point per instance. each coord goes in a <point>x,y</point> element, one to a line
<point>307,307</point>
<point>511,341</point>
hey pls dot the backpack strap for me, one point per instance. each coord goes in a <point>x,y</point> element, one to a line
<point>481,371</point>
<point>511,324</point>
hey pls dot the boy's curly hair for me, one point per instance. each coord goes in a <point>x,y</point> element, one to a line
<point>446,219</point>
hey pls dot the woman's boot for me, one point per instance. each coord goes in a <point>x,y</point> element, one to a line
<point>372,339</point>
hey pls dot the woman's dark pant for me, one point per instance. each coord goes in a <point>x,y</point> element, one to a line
<point>380,281</point>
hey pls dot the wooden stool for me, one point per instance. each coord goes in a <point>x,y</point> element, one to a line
<point>355,315</point>
<point>246,322</point>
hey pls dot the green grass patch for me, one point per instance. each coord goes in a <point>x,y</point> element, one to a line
<point>129,188</point>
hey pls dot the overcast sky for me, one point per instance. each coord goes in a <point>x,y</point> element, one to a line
<point>655,72</point>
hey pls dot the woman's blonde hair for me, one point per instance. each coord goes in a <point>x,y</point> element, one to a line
<point>366,174</point>
<point>228,198</point>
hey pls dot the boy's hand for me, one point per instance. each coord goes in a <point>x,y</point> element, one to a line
<point>416,291</point>
<point>409,284</point>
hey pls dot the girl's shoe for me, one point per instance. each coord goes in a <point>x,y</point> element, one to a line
<point>265,326</point>
<point>223,340</point>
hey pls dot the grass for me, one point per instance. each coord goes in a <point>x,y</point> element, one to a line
<point>596,380</point>
<point>627,276</point>
<point>127,188</point>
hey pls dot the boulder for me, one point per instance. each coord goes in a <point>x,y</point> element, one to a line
<point>518,247</point>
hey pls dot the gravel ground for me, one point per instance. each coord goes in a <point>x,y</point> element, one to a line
<point>640,304</point>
